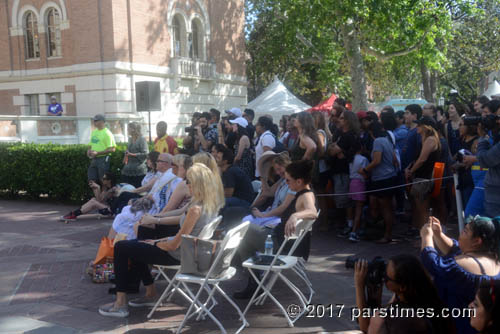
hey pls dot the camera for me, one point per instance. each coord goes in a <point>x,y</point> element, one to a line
<point>488,122</point>
<point>376,269</point>
<point>190,130</point>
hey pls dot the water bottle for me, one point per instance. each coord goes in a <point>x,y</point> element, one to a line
<point>268,245</point>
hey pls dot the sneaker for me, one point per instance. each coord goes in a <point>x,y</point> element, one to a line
<point>345,232</point>
<point>143,301</point>
<point>109,310</point>
<point>353,236</point>
<point>69,216</point>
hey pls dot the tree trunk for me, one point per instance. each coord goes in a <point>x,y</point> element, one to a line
<point>358,78</point>
<point>428,82</point>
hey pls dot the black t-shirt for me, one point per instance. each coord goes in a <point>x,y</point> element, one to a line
<point>346,143</point>
<point>235,177</point>
<point>251,131</point>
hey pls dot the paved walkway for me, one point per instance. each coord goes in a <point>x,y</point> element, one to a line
<point>43,287</point>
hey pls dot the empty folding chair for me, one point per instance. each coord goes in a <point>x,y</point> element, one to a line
<point>227,250</point>
<point>206,233</point>
<point>275,269</point>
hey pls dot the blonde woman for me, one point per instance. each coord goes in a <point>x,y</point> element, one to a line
<point>207,199</point>
<point>423,168</point>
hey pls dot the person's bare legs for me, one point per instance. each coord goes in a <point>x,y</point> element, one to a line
<point>421,212</point>
<point>386,209</point>
<point>358,210</point>
<point>92,205</point>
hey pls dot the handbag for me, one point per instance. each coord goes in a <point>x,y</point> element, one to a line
<point>105,250</point>
<point>102,273</point>
<point>198,256</point>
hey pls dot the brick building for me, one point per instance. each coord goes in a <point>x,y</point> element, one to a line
<point>90,53</point>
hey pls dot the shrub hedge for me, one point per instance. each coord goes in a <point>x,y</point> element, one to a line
<point>60,171</point>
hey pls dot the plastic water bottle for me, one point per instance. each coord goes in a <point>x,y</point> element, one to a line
<point>268,245</point>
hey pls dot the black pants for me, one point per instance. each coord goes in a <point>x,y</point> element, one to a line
<point>122,201</point>
<point>140,255</point>
<point>133,180</point>
<point>157,232</point>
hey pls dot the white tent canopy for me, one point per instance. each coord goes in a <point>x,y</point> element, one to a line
<point>493,89</point>
<point>277,100</point>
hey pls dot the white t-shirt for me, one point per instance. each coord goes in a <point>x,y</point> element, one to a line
<point>265,139</point>
<point>357,163</point>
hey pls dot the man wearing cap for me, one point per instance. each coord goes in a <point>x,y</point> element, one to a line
<point>102,144</point>
<point>206,134</point>
<point>249,115</point>
<point>55,109</point>
<point>234,113</point>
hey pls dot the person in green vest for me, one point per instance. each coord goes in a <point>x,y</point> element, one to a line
<point>102,144</point>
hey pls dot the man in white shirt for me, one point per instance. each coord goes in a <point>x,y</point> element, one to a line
<point>265,139</point>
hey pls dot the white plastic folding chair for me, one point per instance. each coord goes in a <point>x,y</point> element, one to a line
<point>274,270</point>
<point>227,250</point>
<point>206,233</point>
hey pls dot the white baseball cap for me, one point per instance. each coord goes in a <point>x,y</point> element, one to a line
<point>235,111</point>
<point>240,121</point>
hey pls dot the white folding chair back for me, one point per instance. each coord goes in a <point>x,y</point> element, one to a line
<point>228,248</point>
<point>256,185</point>
<point>206,233</point>
<point>275,272</point>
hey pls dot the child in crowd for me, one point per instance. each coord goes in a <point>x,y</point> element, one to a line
<point>357,188</point>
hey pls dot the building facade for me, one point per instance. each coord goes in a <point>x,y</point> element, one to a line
<point>90,53</point>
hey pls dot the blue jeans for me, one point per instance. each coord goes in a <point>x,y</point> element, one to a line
<point>235,201</point>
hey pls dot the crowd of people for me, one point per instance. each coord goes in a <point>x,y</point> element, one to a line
<point>359,168</point>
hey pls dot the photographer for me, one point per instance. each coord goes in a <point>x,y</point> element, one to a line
<point>412,289</point>
<point>206,133</point>
<point>488,156</point>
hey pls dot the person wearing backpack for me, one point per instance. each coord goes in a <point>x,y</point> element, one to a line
<point>265,141</point>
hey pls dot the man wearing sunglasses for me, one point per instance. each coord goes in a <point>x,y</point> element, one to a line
<point>102,144</point>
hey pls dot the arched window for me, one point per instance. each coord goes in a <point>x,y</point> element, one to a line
<point>53,33</point>
<point>177,37</point>
<point>32,49</point>
<point>194,50</point>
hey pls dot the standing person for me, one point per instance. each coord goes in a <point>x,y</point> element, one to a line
<point>249,115</point>
<point>365,121</point>
<point>163,142</point>
<point>341,153</point>
<point>480,102</point>
<point>357,188</point>
<point>134,256</point>
<point>414,143</point>
<point>135,168</point>
<point>382,170</point>
<point>283,135</point>
<point>55,109</point>
<point>242,150</point>
<point>102,144</point>
<point>421,171</point>
<point>293,133</point>
<point>206,134</point>
<point>401,131</point>
<point>265,139</point>
<point>306,147</point>
<point>456,110</point>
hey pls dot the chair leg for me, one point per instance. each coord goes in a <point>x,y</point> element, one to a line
<point>164,294</point>
<point>242,317</point>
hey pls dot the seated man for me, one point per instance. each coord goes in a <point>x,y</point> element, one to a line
<point>238,188</point>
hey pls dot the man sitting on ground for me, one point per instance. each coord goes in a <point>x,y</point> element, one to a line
<point>238,188</point>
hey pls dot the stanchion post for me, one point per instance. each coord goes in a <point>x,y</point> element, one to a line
<point>460,208</point>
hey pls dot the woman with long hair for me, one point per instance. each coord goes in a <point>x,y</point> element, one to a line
<point>458,266</point>
<point>134,162</point>
<point>486,308</point>
<point>422,170</point>
<point>283,134</point>
<point>207,200</point>
<point>341,153</point>
<point>412,290</point>
<point>455,110</point>
<point>242,148</point>
<point>306,147</point>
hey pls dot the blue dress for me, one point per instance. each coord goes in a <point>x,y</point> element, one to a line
<point>456,286</point>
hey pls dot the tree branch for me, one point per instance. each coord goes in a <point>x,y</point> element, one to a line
<point>381,55</point>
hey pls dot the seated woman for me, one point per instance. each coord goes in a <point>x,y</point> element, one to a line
<point>158,226</point>
<point>126,220</point>
<point>486,308</point>
<point>151,164</point>
<point>412,288</point>
<point>457,267</point>
<point>279,191</point>
<point>298,177</point>
<point>207,200</point>
<point>103,196</point>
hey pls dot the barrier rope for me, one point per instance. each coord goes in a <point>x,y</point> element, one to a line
<point>388,188</point>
